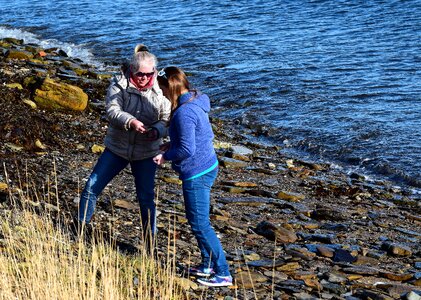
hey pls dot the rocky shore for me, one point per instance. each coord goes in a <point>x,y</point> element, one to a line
<point>292,229</point>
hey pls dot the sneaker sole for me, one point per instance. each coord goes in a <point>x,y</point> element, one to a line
<point>200,274</point>
<point>214,284</point>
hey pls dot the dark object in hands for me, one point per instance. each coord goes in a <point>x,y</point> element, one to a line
<point>152,134</point>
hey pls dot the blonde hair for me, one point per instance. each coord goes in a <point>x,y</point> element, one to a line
<point>141,57</point>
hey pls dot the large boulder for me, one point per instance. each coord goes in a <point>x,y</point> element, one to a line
<point>56,95</point>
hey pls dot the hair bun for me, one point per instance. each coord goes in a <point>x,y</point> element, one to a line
<point>140,48</point>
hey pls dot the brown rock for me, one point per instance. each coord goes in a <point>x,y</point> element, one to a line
<point>231,163</point>
<point>293,197</point>
<point>396,277</point>
<point>240,183</point>
<point>288,267</point>
<point>325,251</point>
<point>395,249</point>
<point>272,232</point>
<point>248,280</point>
<point>361,270</point>
<point>125,204</point>
<point>18,54</point>
<point>57,95</point>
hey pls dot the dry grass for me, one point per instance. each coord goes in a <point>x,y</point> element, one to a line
<point>39,259</point>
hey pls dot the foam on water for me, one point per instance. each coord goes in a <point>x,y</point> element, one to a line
<point>72,50</point>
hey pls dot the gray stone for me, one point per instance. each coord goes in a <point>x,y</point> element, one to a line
<point>242,150</point>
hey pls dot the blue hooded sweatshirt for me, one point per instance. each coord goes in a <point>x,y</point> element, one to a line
<point>191,149</point>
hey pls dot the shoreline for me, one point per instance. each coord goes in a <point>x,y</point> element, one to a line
<point>395,177</point>
<point>325,222</point>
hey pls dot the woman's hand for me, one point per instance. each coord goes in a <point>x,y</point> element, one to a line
<point>159,159</point>
<point>138,126</point>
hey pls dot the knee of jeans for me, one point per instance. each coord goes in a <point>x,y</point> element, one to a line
<point>89,187</point>
<point>200,227</point>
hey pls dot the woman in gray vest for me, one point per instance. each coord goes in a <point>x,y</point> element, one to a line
<point>138,115</point>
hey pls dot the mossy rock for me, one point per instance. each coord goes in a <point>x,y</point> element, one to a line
<point>56,95</point>
<point>13,41</point>
<point>18,54</point>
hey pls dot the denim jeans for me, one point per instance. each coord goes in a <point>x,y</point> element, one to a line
<point>107,167</point>
<point>196,194</point>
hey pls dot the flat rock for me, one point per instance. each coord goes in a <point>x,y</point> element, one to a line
<point>273,232</point>
<point>248,280</point>
<point>362,270</point>
<point>231,163</point>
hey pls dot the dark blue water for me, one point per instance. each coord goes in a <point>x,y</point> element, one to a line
<point>338,81</point>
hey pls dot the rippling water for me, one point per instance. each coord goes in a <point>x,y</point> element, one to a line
<point>335,80</point>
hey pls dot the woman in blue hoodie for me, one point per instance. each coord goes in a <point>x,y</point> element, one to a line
<point>193,157</point>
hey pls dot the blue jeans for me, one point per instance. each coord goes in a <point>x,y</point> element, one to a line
<point>196,194</point>
<point>107,167</point>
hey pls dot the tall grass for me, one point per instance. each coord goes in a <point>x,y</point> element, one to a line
<point>40,259</point>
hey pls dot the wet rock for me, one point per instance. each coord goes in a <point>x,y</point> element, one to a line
<point>328,213</point>
<point>57,95</point>
<point>273,232</point>
<point>12,41</point>
<point>396,249</point>
<point>343,256</point>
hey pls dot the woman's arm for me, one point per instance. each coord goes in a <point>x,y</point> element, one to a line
<point>183,143</point>
<point>114,108</point>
